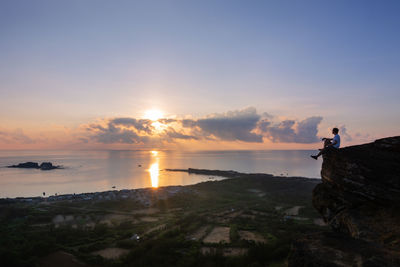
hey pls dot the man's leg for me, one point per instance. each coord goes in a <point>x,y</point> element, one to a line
<point>321,151</point>
<point>327,143</point>
<point>319,154</point>
<point>324,151</point>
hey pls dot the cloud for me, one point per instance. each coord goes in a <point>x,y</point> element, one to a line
<point>230,126</point>
<point>173,134</point>
<point>139,124</point>
<point>111,133</point>
<point>291,131</point>
<point>244,125</point>
<point>16,136</point>
<point>307,130</point>
<point>343,133</point>
<point>116,135</point>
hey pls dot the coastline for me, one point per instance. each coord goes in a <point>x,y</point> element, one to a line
<point>143,195</point>
<point>241,216</point>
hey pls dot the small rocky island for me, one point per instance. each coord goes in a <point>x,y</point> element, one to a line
<point>45,166</point>
<point>359,198</point>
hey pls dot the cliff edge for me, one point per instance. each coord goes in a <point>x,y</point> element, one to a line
<point>359,197</point>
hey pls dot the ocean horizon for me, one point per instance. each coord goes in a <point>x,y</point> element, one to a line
<point>102,170</point>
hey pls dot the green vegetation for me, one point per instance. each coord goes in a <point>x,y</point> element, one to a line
<point>202,226</point>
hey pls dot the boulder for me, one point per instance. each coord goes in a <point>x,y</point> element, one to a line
<point>47,166</point>
<point>335,249</point>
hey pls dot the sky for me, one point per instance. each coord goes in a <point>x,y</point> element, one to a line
<point>197,74</point>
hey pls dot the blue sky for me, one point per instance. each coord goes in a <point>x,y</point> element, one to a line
<point>68,63</point>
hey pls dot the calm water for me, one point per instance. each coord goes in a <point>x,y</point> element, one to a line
<point>91,171</point>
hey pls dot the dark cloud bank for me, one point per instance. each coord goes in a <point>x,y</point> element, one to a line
<point>241,125</point>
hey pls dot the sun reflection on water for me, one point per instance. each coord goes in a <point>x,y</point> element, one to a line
<point>154,171</point>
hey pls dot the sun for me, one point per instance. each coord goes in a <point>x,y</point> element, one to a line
<point>153,114</point>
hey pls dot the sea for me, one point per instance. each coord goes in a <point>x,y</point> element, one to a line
<point>95,171</point>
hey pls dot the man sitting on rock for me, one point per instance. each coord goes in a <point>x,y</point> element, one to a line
<point>329,143</point>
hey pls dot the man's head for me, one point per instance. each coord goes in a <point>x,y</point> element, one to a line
<point>335,130</point>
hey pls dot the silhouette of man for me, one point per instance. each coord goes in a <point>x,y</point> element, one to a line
<point>329,143</point>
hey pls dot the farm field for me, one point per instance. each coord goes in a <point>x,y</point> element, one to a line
<point>247,220</point>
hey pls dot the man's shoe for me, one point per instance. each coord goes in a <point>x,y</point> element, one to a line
<point>314,157</point>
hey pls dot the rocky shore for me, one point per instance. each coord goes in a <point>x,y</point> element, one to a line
<point>359,198</point>
<point>143,195</point>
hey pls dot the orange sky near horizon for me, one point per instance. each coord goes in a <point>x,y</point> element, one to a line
<point>83,136</point>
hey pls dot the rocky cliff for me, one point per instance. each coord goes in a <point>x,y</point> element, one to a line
<point>359,197</point>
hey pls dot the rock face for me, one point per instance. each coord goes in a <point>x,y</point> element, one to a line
<point>359,197</point>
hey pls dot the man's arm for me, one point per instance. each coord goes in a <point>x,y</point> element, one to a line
<point>329,139</point>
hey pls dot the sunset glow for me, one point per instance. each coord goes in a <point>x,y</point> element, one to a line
<point>158,126</point>
<point>153,114</point>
